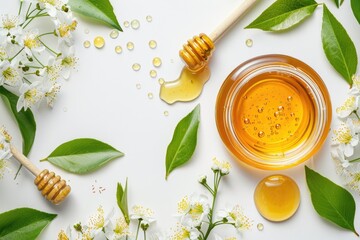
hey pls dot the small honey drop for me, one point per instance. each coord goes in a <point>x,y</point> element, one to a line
<point>149,18</point>
<point>118,49</point>
<point>278,126</point>
<point>166,113</point>
<point>260,110</point>
<point>135,24</point>
<point>276,114</point>
<point>138,86</point>
<point>130,46</point>
<point>280,108</point>
<point>261,134</point>
<point>249,42</point>
<point>260,226</point>
<point>152,44</point>
<point>150,96</point>
<point>289,98</point>
<point>156,62</point>
<point>161,81</point>
<point>136,67</point>
<point>87,44</point>
<point>99,42</point>
<point>126,24</point>
<point>153,73</point>
<point>246,121</point>
<point>114,34</point>
<point>277,197</point>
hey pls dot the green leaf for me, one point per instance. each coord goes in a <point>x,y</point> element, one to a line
<point>338,3</point>
<point>83,155</point>
<point>183,143</point>
<point>355,5</point>
<point>96,9</point>
<point>339,48</point>
<point>331,201</point>
<point>284,14</point>
<point>24,119</point>
<point>121,196</point>
<point>23,223</point>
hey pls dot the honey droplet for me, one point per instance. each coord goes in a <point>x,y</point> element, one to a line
<point>277,197</point>
<point>99,42</point>
<point>276,114</point>
<point>297,119</point>
<point>278,126</point>
<point>260,110</point>
<point>246,121</point>
<point>130,46</point>
<point>149,18</point>
<point>261,134</point>
<point>118,49</point>
<point>152,44</point>
<point>292,114</point>
<point>135,24</point>
<point>136,67</point>
<point>87,44</point>
<point>153,73</point>
<point>150,96</point>
<point>114,34</point>
<point>260,226</point>
<point>249,42</point>
<point>166,113</point>
<point>161,81</point>
<point>138,86</point>
<point>126,24</point>
<point>280,108</point>
<point>156,62</point>
<point>289,98</point>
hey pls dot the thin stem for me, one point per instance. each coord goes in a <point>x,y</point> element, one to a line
<point>56,54</point>
<point>27,80</point>
<point>38,60</point>
<point>16,54</point>
<point>44,34</point>
<point>18,171</point>
<point>356,114</point>
<point>37,67</point>
<point>21,4</point>
<point>144,234</point>
<point>355,160</point>
<point>27,12</point>
<point>208,188</point>
<point>32,18</point>
<point>137,231</point>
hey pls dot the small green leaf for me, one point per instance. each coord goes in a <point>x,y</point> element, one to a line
<point>83,155</point>
<point>183,143</point>
<point>331,201</point>
<point>121,196</point>
<point>23,223</point>
<point>338,46</point>
<point>99,10</point>
<point>338,3</point>
<point>24,119</point>
<point>355,5</point>
<point>284,14</point>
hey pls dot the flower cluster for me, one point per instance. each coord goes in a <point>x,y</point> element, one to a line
<point>101,227</point>
<point>197,215</point>
<point>5,152</point>
<point>346,138</point>
<point>31,62</point>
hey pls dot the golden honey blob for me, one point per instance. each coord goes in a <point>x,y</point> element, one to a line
<point>153,73</point>
<point>249,42</point>
<point>135,24</point>
<point>114,34</point>
<point>86,44</point>
<point>118,49</point>
<point>149,18</point>
<point>136,66</point>
<point>277,197</point>
<point>152,44</point>
<point>99,42</point>
<point>130,46</point>
<point>126,24</point>
<point>157,62</point>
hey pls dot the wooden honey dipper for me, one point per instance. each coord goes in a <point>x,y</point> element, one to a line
<point>198,50</point>
<point>51,186</point>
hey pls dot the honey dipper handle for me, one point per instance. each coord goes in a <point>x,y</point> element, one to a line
<point>25,161</point>
<point>231,19</point>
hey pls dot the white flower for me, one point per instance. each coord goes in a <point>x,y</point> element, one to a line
<point>338,155</point>
<point>30,95</point>
<point>68,60</point>
<point>97,222</point>
<point>66,235</point>
<point>194,210</point>
<point>185,233</point>
<point>355,89</point>
<point>237,217</point>
<point>65,24</point>
<point>350,105</point>
<point>9,73</point>
<point>10,26</point>
<point>347,137</point>
<point>52,6</point>
<point>31,42</point>
<point>117,230</point>
<point>51,91</point>
<point>3,54</point>
<point>53,69</point>
<point>222,166</point>
<point>142,214</point>
<point>352,176</point>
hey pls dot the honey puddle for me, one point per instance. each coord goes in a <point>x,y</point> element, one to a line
<point>186,88</point>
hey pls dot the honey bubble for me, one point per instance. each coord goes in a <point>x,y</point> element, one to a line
<point>99,42</point>
<point>135,24</point>
<point>152,44</point>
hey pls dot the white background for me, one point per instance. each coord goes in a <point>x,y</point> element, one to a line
<point>101,101</point>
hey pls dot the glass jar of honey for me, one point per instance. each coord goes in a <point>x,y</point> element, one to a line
<point>273,112</point>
